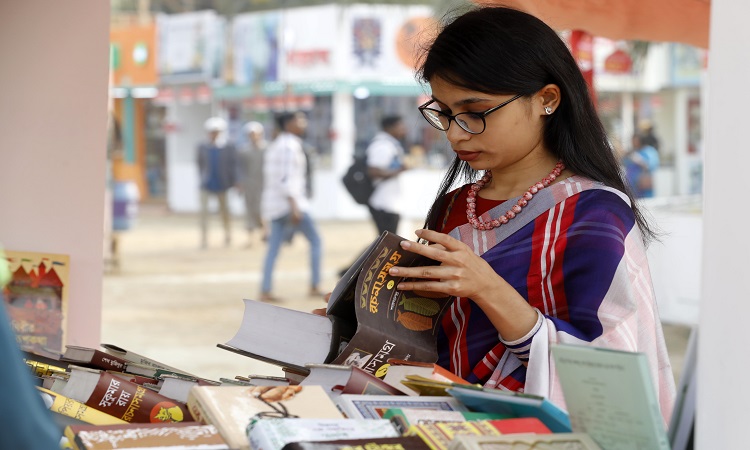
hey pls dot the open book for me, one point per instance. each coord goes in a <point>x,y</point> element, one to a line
<point>368,320</point>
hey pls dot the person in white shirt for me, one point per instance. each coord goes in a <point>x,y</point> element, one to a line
<point>284,203</point>
<point>385,162</point>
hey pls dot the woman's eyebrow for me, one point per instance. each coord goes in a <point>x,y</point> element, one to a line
<point>465,101</point>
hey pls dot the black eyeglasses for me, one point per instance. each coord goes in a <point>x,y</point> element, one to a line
<point>471,122</point>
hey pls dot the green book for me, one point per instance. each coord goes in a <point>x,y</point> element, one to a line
<point>611,397</point>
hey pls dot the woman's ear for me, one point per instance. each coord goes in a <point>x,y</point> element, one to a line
<point>548,99</point>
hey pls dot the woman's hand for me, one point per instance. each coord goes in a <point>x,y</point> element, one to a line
<point>461,273</point>
<point>464,274</point>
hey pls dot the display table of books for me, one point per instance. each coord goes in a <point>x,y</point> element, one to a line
<point>364,377</point>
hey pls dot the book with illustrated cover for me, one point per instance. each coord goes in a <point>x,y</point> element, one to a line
<point>399,370</point>
<point>403,418</point>
<point>232,408</point>
<point>611,397</point>
<point>121,398</point>
<point>368,320</point>
<point>36,299</point>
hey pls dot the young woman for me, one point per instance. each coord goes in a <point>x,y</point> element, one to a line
<point>544,244</point>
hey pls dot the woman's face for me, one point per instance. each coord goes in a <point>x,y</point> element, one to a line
<point>513,133</point>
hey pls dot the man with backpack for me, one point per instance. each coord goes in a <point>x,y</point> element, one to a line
<point>385,162</point>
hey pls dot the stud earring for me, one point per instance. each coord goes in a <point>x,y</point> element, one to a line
<point>548,110</point>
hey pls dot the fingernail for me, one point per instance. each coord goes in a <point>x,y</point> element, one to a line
<point>418,232</point>
<point>405,244</point>
<point>393,271</point>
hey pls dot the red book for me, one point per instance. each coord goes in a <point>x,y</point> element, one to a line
<point>121,398</point>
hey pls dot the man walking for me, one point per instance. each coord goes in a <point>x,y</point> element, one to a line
<point>284,203</point>
<point>218,165</point>
<point>385,162</point>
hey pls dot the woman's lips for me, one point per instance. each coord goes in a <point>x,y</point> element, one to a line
<point>467,156</point>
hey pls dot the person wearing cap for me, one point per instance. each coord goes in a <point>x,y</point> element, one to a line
<point>251,165</point>
<point>218,167</point>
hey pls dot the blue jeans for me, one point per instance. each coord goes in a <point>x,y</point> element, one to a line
<point>282,230</point>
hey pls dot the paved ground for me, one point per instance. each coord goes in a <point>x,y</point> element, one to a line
<point>174,302</point>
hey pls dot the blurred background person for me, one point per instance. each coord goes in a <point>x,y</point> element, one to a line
<point>218,166</point>
<point>284,202</point>
<point>251,165</point>
<point>641,164</point>
<point>385,162</point>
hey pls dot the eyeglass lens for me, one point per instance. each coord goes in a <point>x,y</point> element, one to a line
<point>470,122</point>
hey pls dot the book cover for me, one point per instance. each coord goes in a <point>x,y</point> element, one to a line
<point>339,379</point>
<point>273,434</point>
<point>399,369</point>
<point>368,319</point>
<point>403,418</point>
<point>121,398</point>
<point>60,404</point>
<point>512,403</point>
<point>561,441</point>
<point>92,357</point>
<point>374,406</point>
<point>396,443</point>
<point>438,435</point>
<point>36,299</point>
<point>177,387</point>
<point>161,436</point>
<point>610,396</point>
<point>232,408</point>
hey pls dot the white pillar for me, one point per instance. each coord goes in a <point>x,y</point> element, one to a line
<point>724,361</point>
<point>53,85</point>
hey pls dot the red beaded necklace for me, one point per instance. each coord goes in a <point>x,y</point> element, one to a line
<point>471,201</point>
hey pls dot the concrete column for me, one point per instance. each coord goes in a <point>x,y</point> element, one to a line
<point>724,361</point>
<point>53,143</point>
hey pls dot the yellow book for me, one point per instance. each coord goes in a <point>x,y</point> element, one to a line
<point>72,408</point>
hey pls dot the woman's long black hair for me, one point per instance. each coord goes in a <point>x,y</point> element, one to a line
<point>498,50</point>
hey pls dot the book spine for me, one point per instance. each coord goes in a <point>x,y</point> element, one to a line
<point>77,410</point>
<point>134,403</point>
<point>105,361</point>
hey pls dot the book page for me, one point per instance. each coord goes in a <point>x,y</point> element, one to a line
<point>610,396</point>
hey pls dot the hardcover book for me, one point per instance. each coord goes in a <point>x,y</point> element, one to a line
<point>273,434</point>
<point>232,408</point>
<point>403,418</point>
<point>161,436</point>
<point>512,403</point>
<point>368,319</point>
<point>121,398</point>
<point>610,396</point>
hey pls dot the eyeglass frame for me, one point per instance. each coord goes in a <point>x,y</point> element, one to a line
<point>452,118</point>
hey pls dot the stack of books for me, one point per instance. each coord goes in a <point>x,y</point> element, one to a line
<point>362,377</point>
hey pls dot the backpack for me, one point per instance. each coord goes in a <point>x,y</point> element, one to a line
<point>357,182</point>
